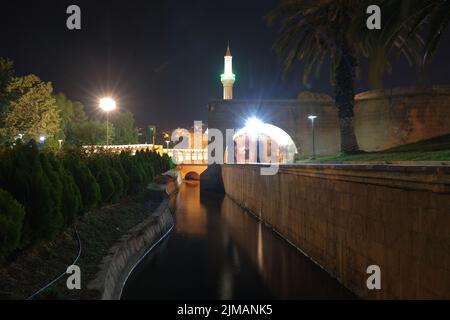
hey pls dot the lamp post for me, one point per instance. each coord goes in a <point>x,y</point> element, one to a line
<point>42,139</point>
<point>107,104</point>
<point>60,141</point>
<point>167,142</point>
<point>152,130</point>
<point>313,118</point>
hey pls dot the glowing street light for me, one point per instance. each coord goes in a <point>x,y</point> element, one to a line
<point>167,142</point>
<point>107,104</point>
<point>313,118</point>
<point>42,139</point>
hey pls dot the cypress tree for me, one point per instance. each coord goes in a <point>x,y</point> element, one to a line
<point>11,219</point>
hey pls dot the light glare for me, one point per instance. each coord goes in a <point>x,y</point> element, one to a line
<point>107,104</point>
<point>254,123</point>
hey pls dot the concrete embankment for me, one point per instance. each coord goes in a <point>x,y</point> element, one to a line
<point>124,256</point>
<point>349,217</point>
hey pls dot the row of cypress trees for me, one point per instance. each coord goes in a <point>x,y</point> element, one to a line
<point>42,193</point>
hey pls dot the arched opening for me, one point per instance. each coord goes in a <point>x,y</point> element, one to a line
<point>260,142</point>
<point>192,176</point>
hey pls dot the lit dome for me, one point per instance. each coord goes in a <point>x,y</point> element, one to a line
<point>256,127</point>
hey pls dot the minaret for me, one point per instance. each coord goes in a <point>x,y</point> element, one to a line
<point>228,77</point>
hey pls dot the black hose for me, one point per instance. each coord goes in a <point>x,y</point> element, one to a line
<point>34,295</point>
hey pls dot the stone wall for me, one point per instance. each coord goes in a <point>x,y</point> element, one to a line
<point>348,217</point>
<point>383,118</point>
<point>388,118</point>
<point>123,257</point>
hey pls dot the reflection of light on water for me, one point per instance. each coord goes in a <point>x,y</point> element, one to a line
<point>191,218</point>
<point>260,249</point>
<point>237,263</point>
<point>226,284</point>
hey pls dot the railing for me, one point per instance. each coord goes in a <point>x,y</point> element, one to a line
<point>180,156</point>
<point>189,156</point>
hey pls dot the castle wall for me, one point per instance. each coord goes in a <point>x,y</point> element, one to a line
<point>383,118</point>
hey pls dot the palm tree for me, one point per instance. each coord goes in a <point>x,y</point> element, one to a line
<point>412,28</point>
<point>310,32</point>
<point>429,18</point>
<point>313,30</point>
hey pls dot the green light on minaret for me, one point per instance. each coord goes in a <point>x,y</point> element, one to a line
<point>228,77</point>
<point>224,76</point>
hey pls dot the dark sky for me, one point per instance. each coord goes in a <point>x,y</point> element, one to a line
<point>162,59</point>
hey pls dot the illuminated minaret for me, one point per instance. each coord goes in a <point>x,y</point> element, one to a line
<point>228,77</point>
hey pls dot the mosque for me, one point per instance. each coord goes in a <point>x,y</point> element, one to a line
<point>256,141</point>
<point>283,131</point>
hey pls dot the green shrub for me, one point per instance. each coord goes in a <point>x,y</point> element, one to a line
<point>30,185</point>
<point>11,219</point>
<point>71,202</point>
<point>86,182</point>
<point>56,190</point>
<point>117,183</point>
<point>106,185</point>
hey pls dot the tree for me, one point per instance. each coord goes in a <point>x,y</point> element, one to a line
<point>418,22</point>
<point>72,116</point>
<point>92,132</point>
<point>32,109</point>
<point>11,219</point>
<point>125,132</point>
<point>71,203</point>
<point>6,74</point>
<point>312,31</point>
<point>87,185</point>
<point>56,190</point>
<point>106,185</point>
<point>397,35</point>
<point>23,175</point>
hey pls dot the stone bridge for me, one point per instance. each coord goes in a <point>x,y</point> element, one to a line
<point>191,162</point>
<point>192,171</point>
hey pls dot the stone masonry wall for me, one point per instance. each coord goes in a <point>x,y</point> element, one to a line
<point>383,118</point>
<point>122,258</point>
<point>348,217</point>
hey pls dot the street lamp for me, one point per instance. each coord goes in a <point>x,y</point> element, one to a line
<point>107,104</point>
<point>60,141</point>
<point>42,139</point>
<point>313,118</point>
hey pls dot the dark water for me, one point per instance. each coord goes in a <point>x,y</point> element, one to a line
<point>218,251</point>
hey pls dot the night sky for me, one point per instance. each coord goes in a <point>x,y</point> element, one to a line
<point>162,59</point>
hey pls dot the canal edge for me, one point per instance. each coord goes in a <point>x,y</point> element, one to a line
<point>132,248</point>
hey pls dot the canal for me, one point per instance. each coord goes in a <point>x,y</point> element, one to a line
<point>218,251</point>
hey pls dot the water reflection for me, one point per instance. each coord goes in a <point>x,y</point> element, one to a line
<point>217,251</point>
<point>193,222</point>
<point>288,273</point>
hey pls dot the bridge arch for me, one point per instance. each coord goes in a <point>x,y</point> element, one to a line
<point>191,171</point>
<point>192,176</point>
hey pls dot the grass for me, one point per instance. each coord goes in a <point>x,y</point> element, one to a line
<point>436,149</point>
<point>99,230</point>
